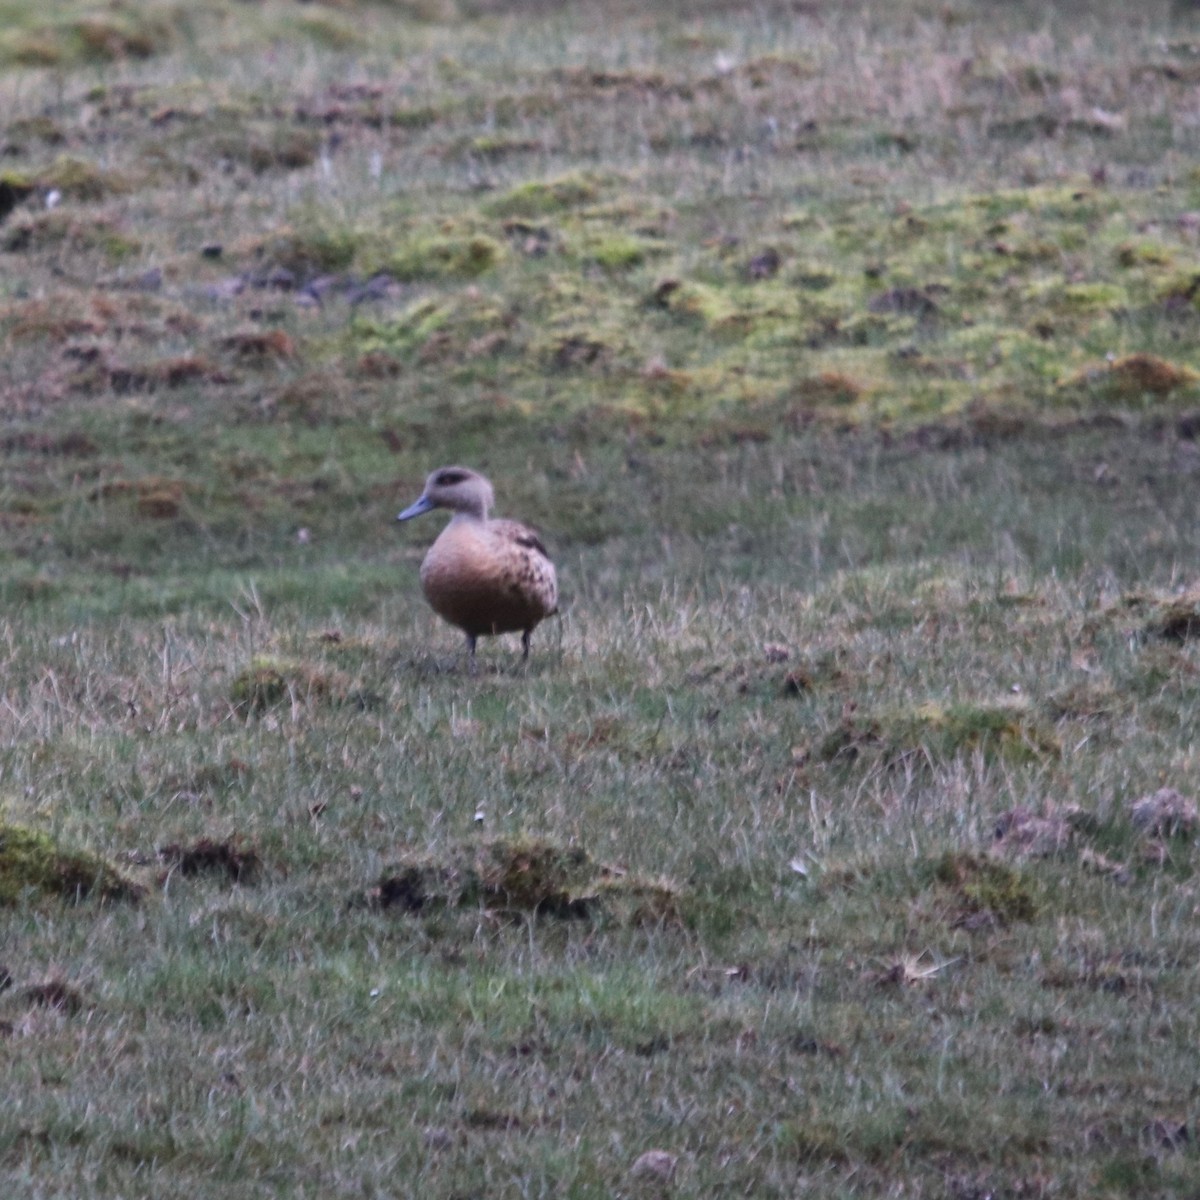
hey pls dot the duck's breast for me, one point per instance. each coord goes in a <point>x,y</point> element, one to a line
<point>492,577</point>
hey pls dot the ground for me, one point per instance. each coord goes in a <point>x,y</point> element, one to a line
<point>838,837</point>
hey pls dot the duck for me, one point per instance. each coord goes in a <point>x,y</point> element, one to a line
<point>487,575</point>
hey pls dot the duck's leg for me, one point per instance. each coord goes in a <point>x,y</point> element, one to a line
<point>525,636</point>
<point>472,663</point>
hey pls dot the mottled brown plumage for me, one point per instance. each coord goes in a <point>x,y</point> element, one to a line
<point>485,575</point>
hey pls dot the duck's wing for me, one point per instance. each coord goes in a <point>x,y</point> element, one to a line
<point>520,535</point>
<point>532,572</point>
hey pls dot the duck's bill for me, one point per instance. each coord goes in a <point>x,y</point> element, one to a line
<point>415,510</point>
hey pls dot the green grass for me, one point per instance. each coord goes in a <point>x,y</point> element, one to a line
<point>844,356</point>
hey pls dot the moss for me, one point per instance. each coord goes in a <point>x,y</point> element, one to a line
<point>540,198</point>
<point>573,350</point>
<point>446,257</point>
<point>1143,254</point>
<point>33,48</point>
<point>532,873</point>
<point>828,389</point>
<point>813,277</point>
<point>21,182</point>
<point>459,329</point>
<point>109,37</point>
<point>935,732</point>
<point>619,252</point>
<point>1008,730</point>
<point>698,302</point>
<point>327,31</point>
<point>407,329</point>
<point>1094,297</point>
<point>416,117</point>
<point>492,147</point>
<point>80,180</point>
<point>983,885</point>
<point>312,248</point>
<point>264,148</point>
<point>96,37</point>
<point>62,229</point>
<point>32,862</point>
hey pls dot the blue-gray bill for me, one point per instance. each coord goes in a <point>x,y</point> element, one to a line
<point>415,510</point>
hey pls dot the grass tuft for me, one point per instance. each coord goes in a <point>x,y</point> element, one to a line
<point>268,682</point>
<point>544,198</point>
<point>526,874</point>
<point>1134,378</point>
<point>33,863</point>
<point>442,257</point>
<point>984,889</point>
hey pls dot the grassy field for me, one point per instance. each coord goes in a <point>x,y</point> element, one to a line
<point>838,839</point>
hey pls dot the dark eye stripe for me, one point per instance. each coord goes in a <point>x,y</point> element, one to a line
<point>450,478</point>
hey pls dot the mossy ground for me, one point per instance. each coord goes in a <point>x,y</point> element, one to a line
<point>33,868</point>
<point>845,355</point>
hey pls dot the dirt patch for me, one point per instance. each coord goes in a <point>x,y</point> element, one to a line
<point>53,993</point>
<point>239,863</point>
<point>259,346</point>
<point>1176,620</point>
<point>1165,813</point>
<point>1133,376</point>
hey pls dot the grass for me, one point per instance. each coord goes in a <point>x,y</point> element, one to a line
<point>844,356</point>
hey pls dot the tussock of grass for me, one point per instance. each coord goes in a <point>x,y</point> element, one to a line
<point>1008,729</point>
<point>65,232</point>
<point>985,889</point>
<point>269,682</point>
<point>442,257</point>
<point>933,733</point>
<point>94,37</point>
<point>311,249</point>
<point>543,198</point>
<point>526,874</point>
<point>1134,378</point>
<point>78,179</point>
<point>33,863</point>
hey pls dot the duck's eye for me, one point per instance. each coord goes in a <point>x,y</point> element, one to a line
<point>450,478</point>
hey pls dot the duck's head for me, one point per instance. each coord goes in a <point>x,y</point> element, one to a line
<point>457,488</point>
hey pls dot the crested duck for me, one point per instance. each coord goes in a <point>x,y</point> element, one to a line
<point>484,574</point>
